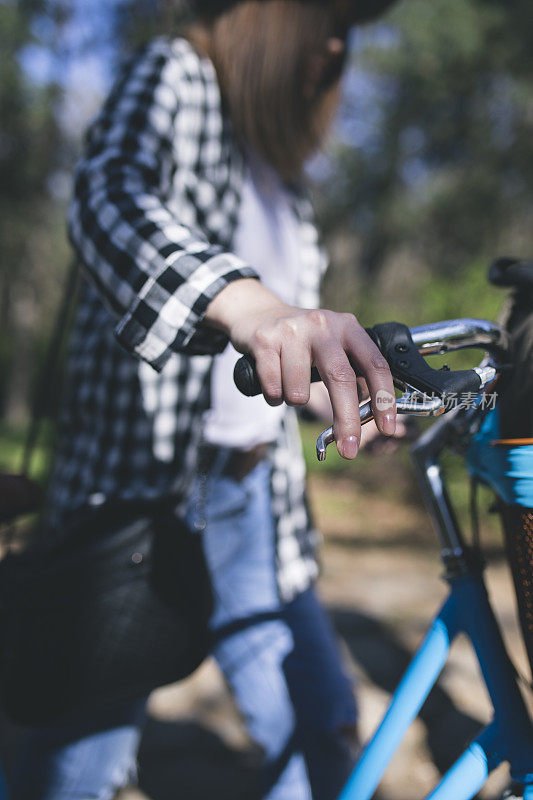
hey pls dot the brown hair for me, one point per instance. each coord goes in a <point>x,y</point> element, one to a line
<point>277,80</point>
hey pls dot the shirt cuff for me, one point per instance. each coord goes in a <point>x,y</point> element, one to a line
<point>167,315</point>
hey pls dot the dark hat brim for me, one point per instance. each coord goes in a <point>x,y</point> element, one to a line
<point>357,12</point>
<point>354,12</point>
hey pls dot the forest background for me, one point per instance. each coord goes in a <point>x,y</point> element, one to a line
<point>427,176</point>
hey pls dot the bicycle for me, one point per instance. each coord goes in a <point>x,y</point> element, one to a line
<point>509,737</point>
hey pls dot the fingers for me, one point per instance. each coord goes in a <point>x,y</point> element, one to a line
<point>295,373</point>
<point>284,370</point>
<point>289,341</point>
<point>367,359</point>
<point>268,368</point>
<point>341,383</point>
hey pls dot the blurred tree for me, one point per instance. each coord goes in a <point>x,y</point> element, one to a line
<point>29,142</point>
<point>46,100</point>
<point>444,170</point>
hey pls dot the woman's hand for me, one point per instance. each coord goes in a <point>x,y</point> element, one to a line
<point>286,341</point>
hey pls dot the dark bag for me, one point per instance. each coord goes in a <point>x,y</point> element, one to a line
<point>117,608</point>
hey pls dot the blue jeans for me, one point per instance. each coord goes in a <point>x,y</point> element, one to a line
<point>90,756</point>
<point>280,660</point>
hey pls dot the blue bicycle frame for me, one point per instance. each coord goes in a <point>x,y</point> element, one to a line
<point>509,737</point>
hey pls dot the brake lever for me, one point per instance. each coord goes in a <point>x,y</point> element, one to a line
<point>411,402</point>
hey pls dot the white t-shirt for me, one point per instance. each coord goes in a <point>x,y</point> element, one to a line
<point>267,236</point>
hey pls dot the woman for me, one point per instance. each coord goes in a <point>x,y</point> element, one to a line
<point>190,220</point>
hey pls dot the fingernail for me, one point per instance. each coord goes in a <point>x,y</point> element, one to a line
<point>389,424</point>
<point>349,447</point>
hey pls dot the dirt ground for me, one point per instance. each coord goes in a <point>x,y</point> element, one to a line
<point>381,583</point>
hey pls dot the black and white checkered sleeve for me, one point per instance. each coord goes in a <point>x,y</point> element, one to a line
<point>157,276</point>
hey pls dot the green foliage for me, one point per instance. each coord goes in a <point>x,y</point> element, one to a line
<point>12,441</point>
<point>435,297</point>
<point>449,173</point>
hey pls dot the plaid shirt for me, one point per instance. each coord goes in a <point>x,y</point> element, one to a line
<point>155,208</point>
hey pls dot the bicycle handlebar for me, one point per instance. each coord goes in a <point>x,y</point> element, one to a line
<point>424,388</point>
<point>404,349</point>
<point>461,334</point>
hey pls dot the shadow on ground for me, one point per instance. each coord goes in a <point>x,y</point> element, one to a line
<point>186,755</point>
<point>184,759</point>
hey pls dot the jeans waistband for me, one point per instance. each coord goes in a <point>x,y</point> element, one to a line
<point>230,462</point>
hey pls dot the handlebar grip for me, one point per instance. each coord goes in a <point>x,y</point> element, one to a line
<point>515,273</point>
<point>246,380</point>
